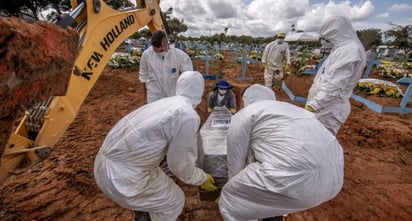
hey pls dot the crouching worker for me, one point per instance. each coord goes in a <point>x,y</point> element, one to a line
<point>280,160</point>
<point>222,95</point>
<point>127,166</point>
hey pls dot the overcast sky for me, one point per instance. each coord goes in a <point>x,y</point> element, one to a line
<point>263,18</point>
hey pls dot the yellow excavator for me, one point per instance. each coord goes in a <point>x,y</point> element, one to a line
<point>101,30</point>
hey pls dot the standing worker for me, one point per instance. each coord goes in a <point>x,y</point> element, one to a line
<point>222,95</point>
<point>160,66</point>
<point>275,55</point>
<point>280,160</point>
<point>127,166</point>
<point>338,75</point>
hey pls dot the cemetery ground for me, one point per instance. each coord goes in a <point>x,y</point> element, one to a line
<point>377,150</point>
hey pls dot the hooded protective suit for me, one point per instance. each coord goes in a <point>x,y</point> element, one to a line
<point>127,166</point>
<point>338,75</point>
<point>274,55</point>
<point>297,164</point>
<point>160,73</point>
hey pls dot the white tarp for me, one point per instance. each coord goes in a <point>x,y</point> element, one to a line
<point>302,36</point>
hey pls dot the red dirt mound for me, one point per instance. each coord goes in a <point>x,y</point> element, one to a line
<point>35,62</point>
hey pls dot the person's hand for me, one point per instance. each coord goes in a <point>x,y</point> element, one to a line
<point>232,110</point>
<point>309,108</point>
<point>287,69</point>
<point>209,110</point>
<point>263,65</point>
<point>217,200</point>
<point>208,184</point>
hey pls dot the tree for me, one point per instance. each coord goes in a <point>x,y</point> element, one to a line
<point>370,38</point>
<point>176,26</point>
<point>117,4</point>
<point>145,33</point>
<point>168,13</point>
<point>31,10</point>
<point>400,35</point>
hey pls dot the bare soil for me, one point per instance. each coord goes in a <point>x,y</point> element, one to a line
<point>377,147</point>
<point>36,60</point>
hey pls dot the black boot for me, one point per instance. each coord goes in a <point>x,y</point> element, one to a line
<point>141,216</point>
<point>276,218</point>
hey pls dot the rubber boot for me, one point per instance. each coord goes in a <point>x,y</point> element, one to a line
<point>276,218</point>
<point>141,216</point>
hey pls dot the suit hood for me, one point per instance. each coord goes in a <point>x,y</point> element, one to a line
<point>191,85</point>
<point>338,30</point>
<point>257,92</point>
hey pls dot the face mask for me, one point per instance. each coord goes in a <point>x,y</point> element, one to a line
<point>325,44</point>
<point>161,54</point>
<point>280,41</point>
<point>221,91</point>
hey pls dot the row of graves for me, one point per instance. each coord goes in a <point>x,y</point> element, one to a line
<point>388,81</point>
<point>382,80</point>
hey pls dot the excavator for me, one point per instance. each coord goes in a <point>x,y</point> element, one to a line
<point>101,30</point>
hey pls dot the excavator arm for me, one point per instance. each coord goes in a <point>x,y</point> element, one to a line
<point>101,30</point>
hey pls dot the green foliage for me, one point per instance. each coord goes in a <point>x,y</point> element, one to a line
<point>228,38</point>
<point>176,26</point>
<point>400,34</point>
<point>145,33</point>
<point>32,9</point>
<point>117,4</point>
<point>370,38</point>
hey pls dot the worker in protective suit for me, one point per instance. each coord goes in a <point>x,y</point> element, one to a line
<point>160,67</point>
<point>280,160</point>
<point>338,75</point>
<point>222,95</point>
<point>127,166</point>
<point>276,57</point>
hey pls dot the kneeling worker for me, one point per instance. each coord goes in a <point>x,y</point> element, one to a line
<point>222,95</point>
<point>280,160</point>
<point>127,166</point>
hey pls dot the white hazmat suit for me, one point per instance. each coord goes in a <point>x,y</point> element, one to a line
<point>338,75</point>
<point>127,166</point>
<point>297,164</point>
<point>160,72</point>
<point>275,56</point>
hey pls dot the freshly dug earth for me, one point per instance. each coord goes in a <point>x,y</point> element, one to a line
<point>377,147</point>
<point>35,63</point>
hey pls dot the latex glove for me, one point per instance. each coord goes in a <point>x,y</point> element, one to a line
<point>208,184</point>
<point>209,109</point>
<point>287,69</point>
<point>263,65</point>
<point>309,108</point>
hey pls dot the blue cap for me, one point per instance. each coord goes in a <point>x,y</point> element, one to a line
<point>223,84</point>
